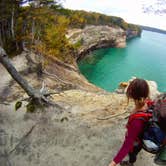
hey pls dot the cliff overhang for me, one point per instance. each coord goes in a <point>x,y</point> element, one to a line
<point>95,37</point>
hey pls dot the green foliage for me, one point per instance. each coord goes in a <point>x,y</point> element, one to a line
<point>63,119</point>
<point>18,105</point>
<point>79,43</point>
<point>44,29</point>
<point>135,27</point>
<point>9,10</point>
<point>80,18</point>
<point>41,3</point>
<point>43,25</point>
<point>31,107</point>
<point>45,32</point>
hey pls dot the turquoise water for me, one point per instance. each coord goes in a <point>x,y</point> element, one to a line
<point>143,57</point>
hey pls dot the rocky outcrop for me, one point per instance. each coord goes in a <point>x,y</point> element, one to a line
<point>152,86</point>
<point>131,34</point>
<point>94,37</point>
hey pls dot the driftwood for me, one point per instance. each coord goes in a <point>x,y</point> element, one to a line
<point>22,139</point>
<point>37,96</point>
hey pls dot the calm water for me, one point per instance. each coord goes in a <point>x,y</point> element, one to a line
<point>143,57</point>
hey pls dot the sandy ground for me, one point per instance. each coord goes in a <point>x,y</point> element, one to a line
<point>60,139</point>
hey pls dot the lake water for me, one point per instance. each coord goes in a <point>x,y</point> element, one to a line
<point>144,57</point>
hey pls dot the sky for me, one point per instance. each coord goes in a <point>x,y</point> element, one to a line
<point>143,12</point>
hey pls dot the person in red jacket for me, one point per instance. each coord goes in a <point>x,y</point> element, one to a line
<point>138,90</point>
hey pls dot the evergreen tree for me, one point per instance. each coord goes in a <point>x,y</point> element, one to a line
<point>8,14</point>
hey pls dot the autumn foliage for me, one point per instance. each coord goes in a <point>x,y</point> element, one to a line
<point>42,27</point>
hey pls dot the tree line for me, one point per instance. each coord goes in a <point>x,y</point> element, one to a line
<point>43,24</point>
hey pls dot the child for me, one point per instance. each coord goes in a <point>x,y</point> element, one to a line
<point>138,90</point>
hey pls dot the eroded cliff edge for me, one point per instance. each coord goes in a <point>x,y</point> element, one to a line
<point>95,37</point>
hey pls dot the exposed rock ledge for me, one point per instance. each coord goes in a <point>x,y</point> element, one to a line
<point>94,37</point>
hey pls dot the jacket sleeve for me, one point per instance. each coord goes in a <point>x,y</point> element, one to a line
<point>133,131</point>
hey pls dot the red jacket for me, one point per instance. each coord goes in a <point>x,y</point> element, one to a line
<point>135,127</point>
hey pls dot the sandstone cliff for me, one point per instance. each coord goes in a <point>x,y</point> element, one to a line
<point>94,37</point>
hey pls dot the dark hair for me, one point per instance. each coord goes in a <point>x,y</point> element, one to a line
<point>138,89</point>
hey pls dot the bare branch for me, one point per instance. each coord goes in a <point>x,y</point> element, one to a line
<point>15,75</point>
<point>35,96</point>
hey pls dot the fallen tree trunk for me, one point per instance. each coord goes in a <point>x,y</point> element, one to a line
<point>15,75</point>
<point>35,95</point>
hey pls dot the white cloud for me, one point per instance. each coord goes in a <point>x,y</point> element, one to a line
<point>130,10</point>
<point>98,5</point>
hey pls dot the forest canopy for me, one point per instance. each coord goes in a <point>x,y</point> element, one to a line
<point>42,26</point>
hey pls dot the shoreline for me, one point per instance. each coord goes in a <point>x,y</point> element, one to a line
<point>92,38</point>
<point>147,28</point>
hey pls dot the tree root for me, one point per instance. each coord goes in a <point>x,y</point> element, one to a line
<point>111,116</point>
<point>22,139</point>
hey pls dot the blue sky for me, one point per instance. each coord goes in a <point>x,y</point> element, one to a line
<point>144,12</point>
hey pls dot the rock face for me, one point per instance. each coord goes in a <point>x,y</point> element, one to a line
<point>93,37</point>
<point>152,87</point>
<point>131,34</point>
